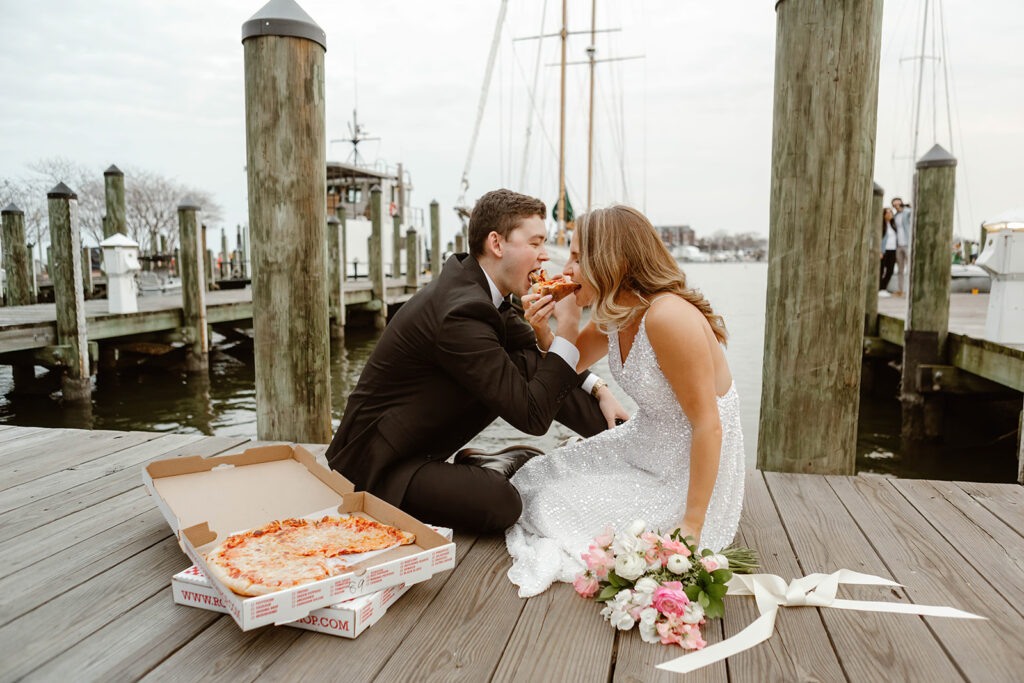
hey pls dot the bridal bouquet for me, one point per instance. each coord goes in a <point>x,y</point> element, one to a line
<point>660,581</point>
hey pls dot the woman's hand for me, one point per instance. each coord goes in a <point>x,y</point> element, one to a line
<point>690,528</point>
<point>610,407</point>
<point>537,310</point>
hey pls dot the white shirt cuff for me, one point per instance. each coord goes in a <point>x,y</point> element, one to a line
<point>589,382</point>
<point>563,348</point>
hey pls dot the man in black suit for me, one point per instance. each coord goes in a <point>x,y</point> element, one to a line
<point>454,358</point>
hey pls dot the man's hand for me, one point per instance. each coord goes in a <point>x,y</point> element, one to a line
<point>537,310</point>
<point>610,407</point>
<point>567,315</point>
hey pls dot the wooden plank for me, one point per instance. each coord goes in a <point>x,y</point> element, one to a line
<point>50,484</point>
<point>827,539</point>
<point>463,635</point>
<point>977,533</point>
<point>933,573</point>
<point>98,489</point>
<point>75,448</point>
<point>12,448</point>
<point>316,656</point>
<point>1005,501</point>
<point>559,636</point>
<point>12,433</point>
<point>801,648</point>
<point>64,567</point>
<point>45,632</point>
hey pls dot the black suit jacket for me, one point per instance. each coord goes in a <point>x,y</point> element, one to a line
<point>447,364</point>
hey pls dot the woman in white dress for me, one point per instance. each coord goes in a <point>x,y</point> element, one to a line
<point>678,463</point>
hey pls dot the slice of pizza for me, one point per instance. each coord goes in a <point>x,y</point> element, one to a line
<point>559,287</point>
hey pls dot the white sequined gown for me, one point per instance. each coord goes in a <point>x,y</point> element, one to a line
<point>638,470</point>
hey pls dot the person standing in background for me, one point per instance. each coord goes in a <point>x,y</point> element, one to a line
<point>889,240</point>
<point>903,229</point>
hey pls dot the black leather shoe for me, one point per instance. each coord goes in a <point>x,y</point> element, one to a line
<point>505,462</point>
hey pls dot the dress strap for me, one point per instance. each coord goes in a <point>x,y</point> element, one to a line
<point>660,296</point>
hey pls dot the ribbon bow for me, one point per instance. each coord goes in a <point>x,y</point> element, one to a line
<point>813,590</point>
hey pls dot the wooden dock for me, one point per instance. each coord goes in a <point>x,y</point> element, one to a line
<point>31,327</point>
<point>967,348</point>
<point>88,559</point>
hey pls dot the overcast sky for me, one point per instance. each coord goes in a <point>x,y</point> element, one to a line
<point>684,133</point>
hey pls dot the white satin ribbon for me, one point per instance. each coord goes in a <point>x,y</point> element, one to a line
<point>813,590</point>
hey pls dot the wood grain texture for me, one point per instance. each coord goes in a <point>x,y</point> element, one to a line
<point>286,161</point>
<point>823,144</point>
<point>193,290</point>
<point>872,262</point>
<point>826,538</point>
<point>435,239</point>
<point>930,261</point>
<point>18,279</point>
<point>933,573</point>
<point>67,289</point>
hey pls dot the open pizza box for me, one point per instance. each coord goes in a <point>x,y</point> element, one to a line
<point>205,500</point>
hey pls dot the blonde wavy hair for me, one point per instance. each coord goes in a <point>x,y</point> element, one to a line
<point>621,251</point>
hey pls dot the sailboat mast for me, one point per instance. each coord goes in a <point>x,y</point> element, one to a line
<point>920,83</point>
<point>561,139</point>
<point>590,134</point>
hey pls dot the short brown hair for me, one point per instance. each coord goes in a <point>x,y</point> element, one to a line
<point>500,211</point>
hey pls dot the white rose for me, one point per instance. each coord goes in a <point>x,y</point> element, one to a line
<point>693,613</point>
<point>630,566</point>
<point>637,527</point>
<point>642,599</point>
<point>677,564</point>
<point>626,543</point>
<point>646,585</point>
<point>648,631</point>
<point>723,561</point>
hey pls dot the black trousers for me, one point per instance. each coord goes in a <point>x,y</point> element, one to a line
<point>472,499</point>
<point>888,267</point>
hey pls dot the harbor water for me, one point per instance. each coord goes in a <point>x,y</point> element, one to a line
<point>225,404</point>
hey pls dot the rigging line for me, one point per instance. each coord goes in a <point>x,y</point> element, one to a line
<point>482,104</point>
<point>533,90</point>
<point>962,160</point>
<point>935,75</point>
<point>920,81</point>
<point>945,69</point>
<point>501,113</point>
<point>940,28</point>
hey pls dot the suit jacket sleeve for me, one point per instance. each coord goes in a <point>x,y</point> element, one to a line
<point>469,348</point>
<point>520,338</point>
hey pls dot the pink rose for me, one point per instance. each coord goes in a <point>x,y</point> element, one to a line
<point>605,539</point>
<point>599,561</point>
<point>709,562</point>
<point>669,598</point>
<point>586,585</point>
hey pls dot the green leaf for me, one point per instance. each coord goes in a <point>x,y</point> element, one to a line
<point>703,599</point>
<point>717,590</point>
<point>692,592</point>
<point>706,552</point>
<point>721,575</point>
<point>714,609</point>
<point>618,581</point>
<point>704,578</point>
<point>607,593</point>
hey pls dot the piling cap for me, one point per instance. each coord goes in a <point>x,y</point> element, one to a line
<point>333,220</point>
<point>283,18</point>
<point>936,156</point>
<point>878,190</point>
<point>433,202</point>
<point>113,170</point>
<point>11,209</point>
<point>61,191</point>
<point>189,204</point>
<point>375,188</point>
<point>119,240</point>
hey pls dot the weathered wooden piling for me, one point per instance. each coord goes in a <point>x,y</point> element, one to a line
<point>286,157</point>
<point>67,292</point>
<point>116,219</point>
<point>87,272</point>
<point>435,239</point>
<point>376,253</point>
<point>225,262</point>
<point>459,243</point>
<point>210,265</point>
<point>17,259</point>
<point>823,143</point>
<point>872,264</point>
<point>412,260</point>
<point>930,278</point>
<point>335,279</point>
<point>193,289</point>
<point>397,242</point>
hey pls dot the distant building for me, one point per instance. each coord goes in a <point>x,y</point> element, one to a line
<point>676,235</point>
